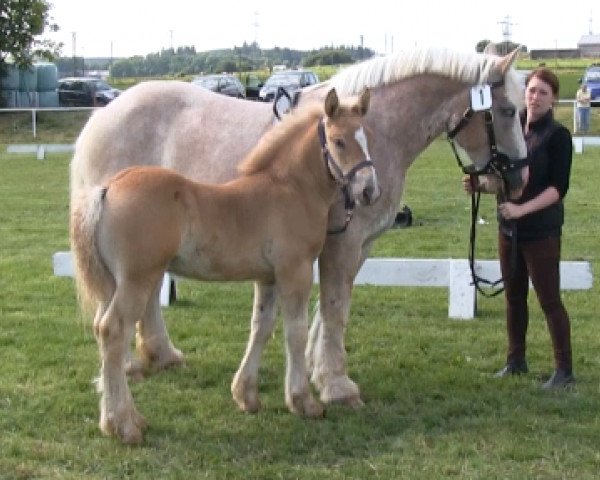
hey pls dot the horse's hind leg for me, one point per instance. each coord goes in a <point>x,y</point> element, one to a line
<point>154,347</point>
<point>118,414</point>
<point>244,386</point>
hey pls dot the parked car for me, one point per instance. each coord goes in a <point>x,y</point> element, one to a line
<point>290,80</point>
<point>85,92</point>
<point>222,83</point>
<point>592,79</point>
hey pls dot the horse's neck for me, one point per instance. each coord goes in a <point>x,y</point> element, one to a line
<point>416,110</point>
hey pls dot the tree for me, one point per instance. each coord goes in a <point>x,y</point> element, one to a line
<point>21,24</point>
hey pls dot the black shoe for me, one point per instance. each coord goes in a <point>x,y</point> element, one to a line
<point>512,368</point>
<point>560,379</point>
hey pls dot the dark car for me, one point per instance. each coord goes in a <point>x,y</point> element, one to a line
<point>592,79</point>
<point>290,80</point>
<point>85,92</point>
<point>222,83</point>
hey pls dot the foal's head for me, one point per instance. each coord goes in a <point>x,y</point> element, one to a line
<point>344,143</point>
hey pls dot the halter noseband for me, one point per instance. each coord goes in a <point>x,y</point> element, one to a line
<point>341,178</point>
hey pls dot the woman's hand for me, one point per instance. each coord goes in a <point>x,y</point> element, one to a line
<point>470,184</point>
<point>511,211</point>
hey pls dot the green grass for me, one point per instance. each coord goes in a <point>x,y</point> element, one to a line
<point>432,409</point>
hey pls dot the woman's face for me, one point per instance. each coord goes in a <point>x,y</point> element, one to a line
<point>538,98</point>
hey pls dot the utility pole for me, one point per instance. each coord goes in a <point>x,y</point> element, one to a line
<point>74,37</point>
<point>507,25</point>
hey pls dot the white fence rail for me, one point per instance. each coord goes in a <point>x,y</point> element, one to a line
<point>412,272</point>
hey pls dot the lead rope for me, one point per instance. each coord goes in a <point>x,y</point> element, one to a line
<point>477,280</point>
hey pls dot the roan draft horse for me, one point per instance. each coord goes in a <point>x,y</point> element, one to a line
<point>416,96</point>
<point>269,225</point>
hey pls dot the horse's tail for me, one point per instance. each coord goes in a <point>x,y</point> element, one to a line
<point>94,281</point>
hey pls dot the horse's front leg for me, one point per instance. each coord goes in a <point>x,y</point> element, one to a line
<point>244,386</point>
<point>114,332</point>
<point>326,353</point>
<point>154,347</point>
<point>294,289</point>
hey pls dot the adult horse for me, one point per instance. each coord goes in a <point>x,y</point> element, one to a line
<point>267,225</point>
<point>415,97</point>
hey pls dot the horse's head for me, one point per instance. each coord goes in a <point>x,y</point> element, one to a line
<point>344,144</point>
<point>488,138</point>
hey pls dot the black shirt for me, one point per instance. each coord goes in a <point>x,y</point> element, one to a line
<point>550,152</point>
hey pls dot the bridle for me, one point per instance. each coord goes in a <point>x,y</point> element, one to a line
<point>341,178</point>
<point>499,164</point>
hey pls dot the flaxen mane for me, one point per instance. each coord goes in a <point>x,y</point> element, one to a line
<point>269,146</point>
<point>467,67</point>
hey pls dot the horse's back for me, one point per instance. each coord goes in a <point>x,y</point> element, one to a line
<point>172,124</point>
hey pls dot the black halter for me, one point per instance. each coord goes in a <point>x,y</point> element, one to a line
<point>341,178</point>
<point>500,165</point>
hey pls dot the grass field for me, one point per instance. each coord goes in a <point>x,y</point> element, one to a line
<point>432,408</point>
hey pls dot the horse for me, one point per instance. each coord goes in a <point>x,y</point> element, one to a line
<point>416,96</point>
<point>268,225</point>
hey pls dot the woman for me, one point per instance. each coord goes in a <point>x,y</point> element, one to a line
<point>535,220</point>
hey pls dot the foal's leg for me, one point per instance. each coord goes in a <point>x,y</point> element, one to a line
<point>118,415</point>
<point>154,347</point>
<point>294,291</point>
<point>326,352</point>
<point>244,387</point>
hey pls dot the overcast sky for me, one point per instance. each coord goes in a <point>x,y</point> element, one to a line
<point>138,27</point>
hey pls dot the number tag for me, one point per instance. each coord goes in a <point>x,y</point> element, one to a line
<point>481,98</point>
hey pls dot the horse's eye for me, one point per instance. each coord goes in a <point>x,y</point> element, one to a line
<point>339,143</point>
<point>508,111</point>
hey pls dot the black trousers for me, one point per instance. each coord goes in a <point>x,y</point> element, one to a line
<point>538,260</point>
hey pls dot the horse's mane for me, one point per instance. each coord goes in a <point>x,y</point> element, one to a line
<point>266,150</point>
<point>473,68</point>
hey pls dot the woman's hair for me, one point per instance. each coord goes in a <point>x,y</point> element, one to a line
<point>547,76</point>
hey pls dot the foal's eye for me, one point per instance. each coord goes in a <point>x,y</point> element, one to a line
<point>339,143</point>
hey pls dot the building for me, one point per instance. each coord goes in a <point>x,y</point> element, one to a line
<point>589,45</point>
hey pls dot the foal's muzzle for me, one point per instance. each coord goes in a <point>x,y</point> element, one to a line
<point>365,186</point>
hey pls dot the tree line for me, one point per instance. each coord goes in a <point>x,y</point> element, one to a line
<point>187,61</point>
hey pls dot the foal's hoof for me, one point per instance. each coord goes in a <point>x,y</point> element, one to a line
<point>306,406</point>
<point>342,391</point>
<point>134,370</point>
<point>245,397</point>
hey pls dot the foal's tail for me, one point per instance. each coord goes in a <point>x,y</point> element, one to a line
<point>94,281</point>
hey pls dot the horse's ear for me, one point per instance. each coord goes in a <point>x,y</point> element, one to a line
<point>364,100</point>
<point>332,103</point>
<point>509,59</point>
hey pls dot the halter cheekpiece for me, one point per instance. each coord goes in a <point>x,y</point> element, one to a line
<point>341,178</point>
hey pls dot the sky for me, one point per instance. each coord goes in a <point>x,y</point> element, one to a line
<point>123,28</point>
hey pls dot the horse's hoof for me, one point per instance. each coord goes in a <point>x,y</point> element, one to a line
<point>341,391</point>
<point>128,430</point>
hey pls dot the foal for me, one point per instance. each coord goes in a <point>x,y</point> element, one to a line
<point>269,225</point>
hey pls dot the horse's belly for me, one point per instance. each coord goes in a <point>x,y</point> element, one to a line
<point>221,269</point>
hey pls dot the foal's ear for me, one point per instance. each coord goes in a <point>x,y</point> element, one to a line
<point>363,101</point>
<point>332,103</point>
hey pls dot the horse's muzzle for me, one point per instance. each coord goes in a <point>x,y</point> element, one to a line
<point>516,180</point>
